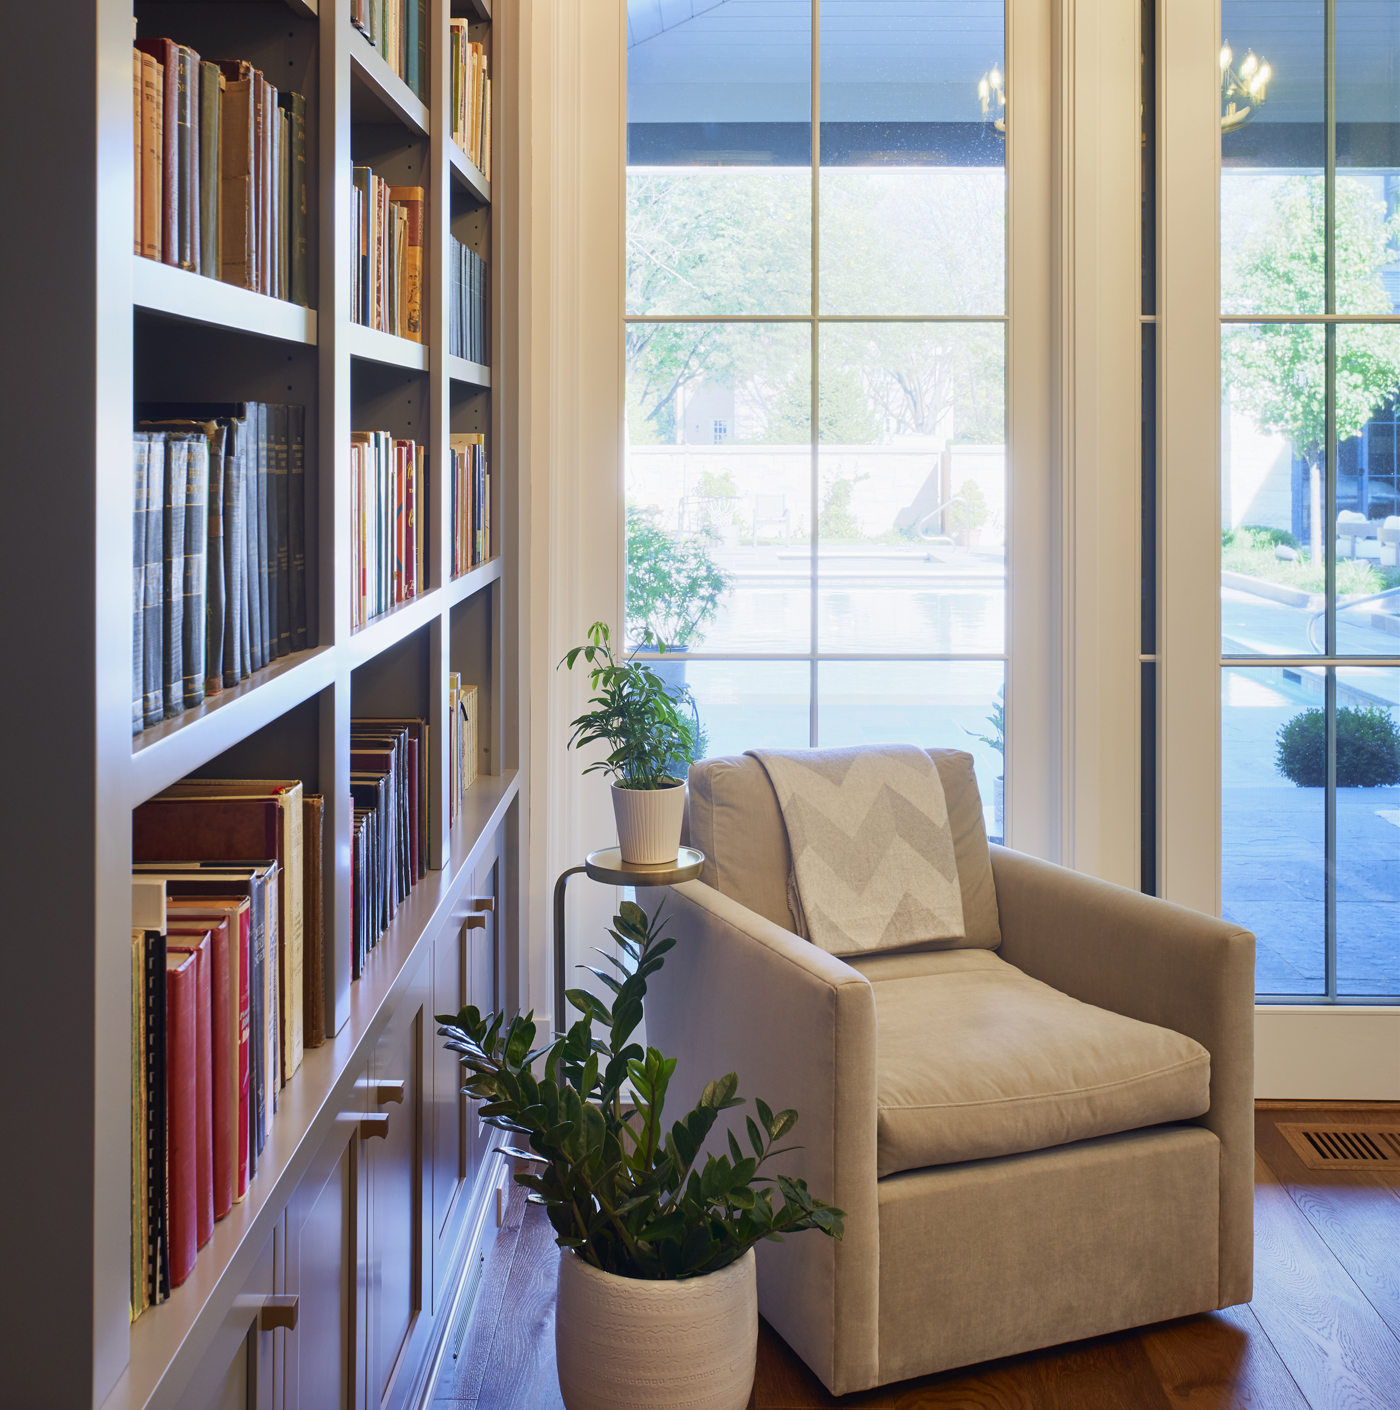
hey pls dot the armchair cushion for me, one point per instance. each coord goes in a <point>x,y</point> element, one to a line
<point>733,818</point>
<point>975,1059</point>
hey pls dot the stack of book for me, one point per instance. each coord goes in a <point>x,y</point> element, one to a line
<point>386,226</point>
<point>398,29</point>
<point>471,502</point>
<point>461,742</point>
<point>466,307</point>
<point>225,997</point>
<point>389,785</point>
<point>219,536</point>
<point>388,489</point>
<point>220,170</point>
<point>471,98</point>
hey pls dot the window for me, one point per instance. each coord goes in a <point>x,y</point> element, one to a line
<point>816,369</point>
<point>1310,586</point>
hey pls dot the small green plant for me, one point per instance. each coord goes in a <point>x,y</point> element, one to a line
<point>674,587</point>
<point>836,519</point>
<point>997,719</point>
<point>1368,748</point>
<point>712,486</point>
<point>619,1188</point>
<point>637,714</point>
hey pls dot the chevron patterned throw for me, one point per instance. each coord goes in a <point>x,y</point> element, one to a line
<point>872,852</point>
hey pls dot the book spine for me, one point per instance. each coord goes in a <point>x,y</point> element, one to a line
<point>300,288</point>
<point>216,566</point>
<point>152,83</point>
<point>173,577</point>
<point>267,540</point>
<point>140,456</point>
<point>296,523</point>
<point>153,588</point>
<point>284,201</point>
<point>242,1132</point>
<point>184,168</point>
<point>170,154</point>
<point>154,1065</point>
<point>280,450</point>
<point>194,580</point>
<point>257,1046</point>
<point>222,983</point>
<point>181,1156</point>
<point>236,204</point>
<point>136,153</point>
<point>210,81</point>
<point>180,942</point>
<point>235,556</point>
<point>255,519</point>
<point>140,1298</point>
<point>314,939</point>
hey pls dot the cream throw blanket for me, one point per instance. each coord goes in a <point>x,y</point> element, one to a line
<point>872,852</point>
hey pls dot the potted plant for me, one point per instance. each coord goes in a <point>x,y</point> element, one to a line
<point>639,716</point>
<point>657,1299</point>
<point>997,740</point>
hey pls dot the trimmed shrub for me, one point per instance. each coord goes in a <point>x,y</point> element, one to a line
<point>1368,748</point>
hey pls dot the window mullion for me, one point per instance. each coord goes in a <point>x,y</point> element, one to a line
<point>814,485</point>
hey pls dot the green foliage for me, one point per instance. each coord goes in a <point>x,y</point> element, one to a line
<point>636,715</point>
<point>1257,536</point>
<point>835,520</point>
<point>712,486</point>
<point>1276,371</point>
<point>673,585</point>
<point>1247,551</point>
<point>621,1189</point>
<point>997,719</point>
<point>1368,748</point>
<point>975,515</point>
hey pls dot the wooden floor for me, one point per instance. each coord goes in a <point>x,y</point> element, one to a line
<point>1323,1330</point>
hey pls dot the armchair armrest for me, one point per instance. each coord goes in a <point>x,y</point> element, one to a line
<point>1162,964</point>
<point>740,994</point>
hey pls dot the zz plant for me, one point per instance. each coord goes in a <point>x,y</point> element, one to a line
<point>621,1189</point>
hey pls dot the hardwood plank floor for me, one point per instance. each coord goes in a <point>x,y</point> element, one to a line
<point>1323,1331</point>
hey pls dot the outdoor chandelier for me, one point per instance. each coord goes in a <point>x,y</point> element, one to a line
<point>991,87</point>
<point>1241,92</point>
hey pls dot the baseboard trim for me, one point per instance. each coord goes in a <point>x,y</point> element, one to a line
<point>1333,1054</point>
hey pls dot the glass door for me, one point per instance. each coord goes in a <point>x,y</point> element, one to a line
<point>1310,500</point>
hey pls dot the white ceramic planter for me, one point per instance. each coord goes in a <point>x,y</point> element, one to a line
<point>649,823</point>
<point>630,1344</point>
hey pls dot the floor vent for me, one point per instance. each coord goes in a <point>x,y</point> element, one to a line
<point>1343,1146</point>
<point>464,1316</point>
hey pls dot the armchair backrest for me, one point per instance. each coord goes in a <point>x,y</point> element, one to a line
<point>734,819</point>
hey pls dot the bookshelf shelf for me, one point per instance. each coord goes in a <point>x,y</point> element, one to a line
<point>168,751</point>
<point>178,293</point>
<point>465,173</point>
<point>391,627</point>
<point>472,9</point>
<point>377,94</point>
<point>372,345</point>
<point>167,1349</point>
<point>464,586</point>
<point>306,8</point>
<point>472,373</point>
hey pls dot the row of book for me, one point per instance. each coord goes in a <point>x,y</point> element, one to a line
<point>386,232</point>
<point>219,549</point>
<point>471,97</point>
<point>389,790</point>
<point>398,29</point>
<point>466,305</point>
<point>388,491</point>
<point>461,742</point>
<point>471,502</point>
<point>228,989</point>
<point>220,170</point>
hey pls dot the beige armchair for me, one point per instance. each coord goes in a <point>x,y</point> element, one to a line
<point>1041,1135</point>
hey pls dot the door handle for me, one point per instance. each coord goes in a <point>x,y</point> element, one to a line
<point>375,1125</point>
<point>483,903</point>
<point>279,1310</point>
<point>474,922</point>
<point>389,1090</point>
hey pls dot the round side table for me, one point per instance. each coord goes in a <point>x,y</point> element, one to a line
<point>608,867</point>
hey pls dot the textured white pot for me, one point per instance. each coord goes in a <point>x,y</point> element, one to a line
<point>649,823</point>
<point>630,1344</point>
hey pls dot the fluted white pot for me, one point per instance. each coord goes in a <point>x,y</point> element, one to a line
<point>649,822</point>
<point>633,1344</point>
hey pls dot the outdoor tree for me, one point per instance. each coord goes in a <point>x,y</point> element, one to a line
<point>1277,371</point>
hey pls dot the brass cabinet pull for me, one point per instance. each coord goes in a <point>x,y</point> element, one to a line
<point>475,922</point>
<point>376,1125</point>
<point>279,1310</point>
<point>483,903</point>
<point>389,1090</point>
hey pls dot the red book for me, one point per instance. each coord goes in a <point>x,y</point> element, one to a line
<point>181,1065</point>
<point>166,52</point>
<point>222,1035</point>
<point>199,943</point>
